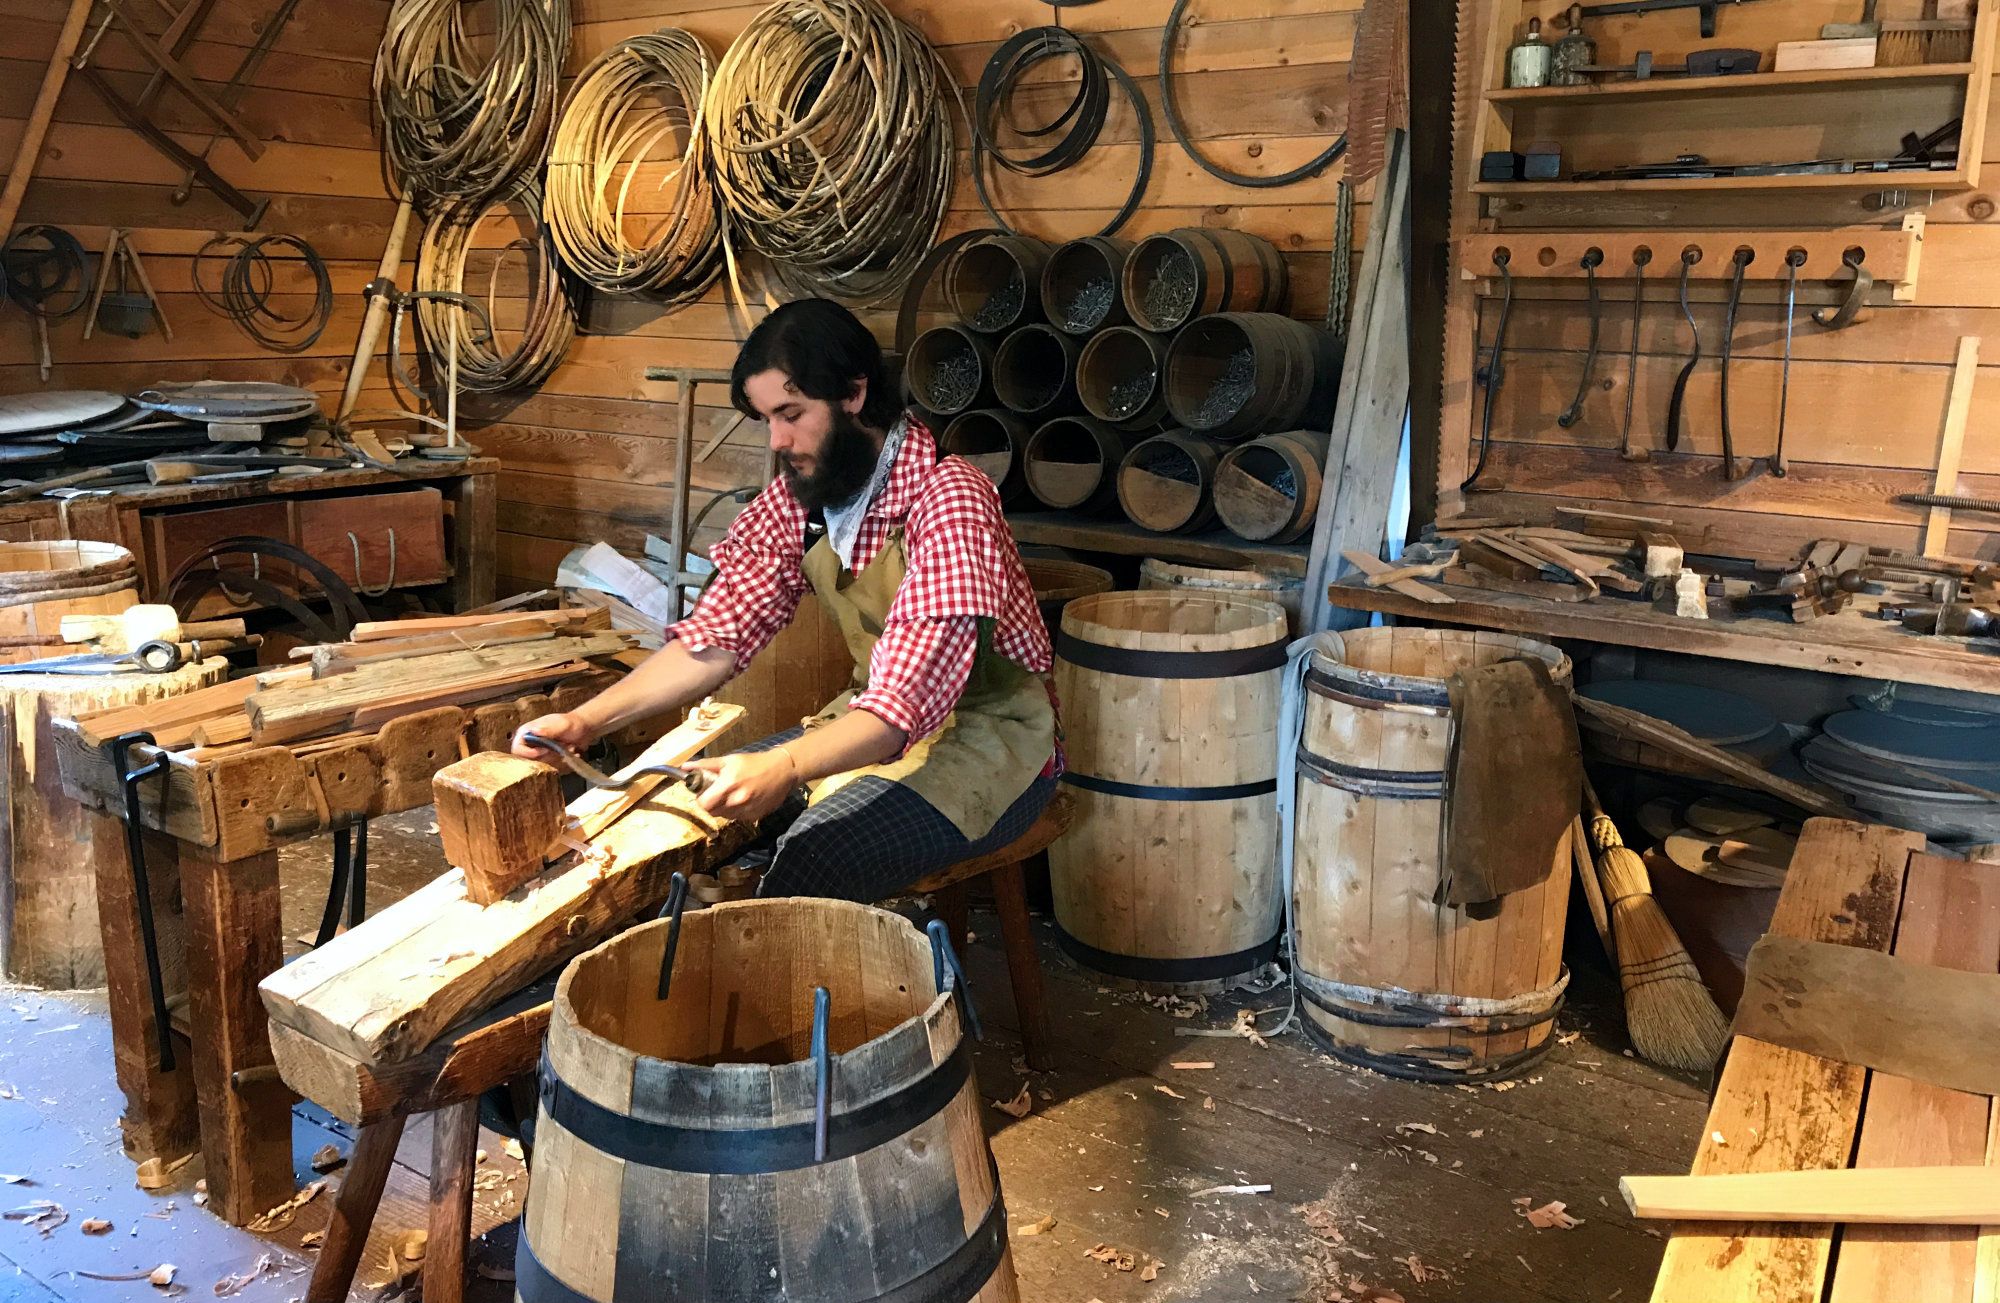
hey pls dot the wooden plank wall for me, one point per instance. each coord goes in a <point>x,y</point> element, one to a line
<point>1264,87</point>
<point>1865,402</point>
<point>321,169</point>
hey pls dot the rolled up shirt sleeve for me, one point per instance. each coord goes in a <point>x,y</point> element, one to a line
<point>759,581</point>
<point>918,672</point>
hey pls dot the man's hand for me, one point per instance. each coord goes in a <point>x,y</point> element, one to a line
<point>749,785</point>
<point>569,730</point>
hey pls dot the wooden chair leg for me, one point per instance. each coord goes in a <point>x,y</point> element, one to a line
<point>952,904</point>
<point>454,1153</point>
<point>1024,966</point>
<point>354,1211</point>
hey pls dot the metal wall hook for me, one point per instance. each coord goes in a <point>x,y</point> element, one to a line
<point>943,957</point>
<point>1857,291</point>
<point>677,894</point>
<point>1592,259</point>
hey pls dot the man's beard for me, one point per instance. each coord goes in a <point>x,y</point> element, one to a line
<point>846,462</point>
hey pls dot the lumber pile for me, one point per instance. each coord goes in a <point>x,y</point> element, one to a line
<point>1548,561</point>
<point>385,670</point>
<point>384,991</point>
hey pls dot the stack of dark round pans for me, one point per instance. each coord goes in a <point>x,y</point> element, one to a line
<point>1722,719</point>
<point>1159,378</point>
<point>276,413</point>
<point>42,432</point>
<point>1909,763</point>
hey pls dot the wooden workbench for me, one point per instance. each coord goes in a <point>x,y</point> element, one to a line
<point>124,515</point>
<point>1831,645</point>
<point>214,827</point>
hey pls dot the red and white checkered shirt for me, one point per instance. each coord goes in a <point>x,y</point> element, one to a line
<point>963,567</point>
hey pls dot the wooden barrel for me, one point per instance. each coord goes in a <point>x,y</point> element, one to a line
<point>40,583</point>
<point>1169,875</point>
<point>51,846</point>
<point>1166,483</point>
<point>1238,374</point>
<point>1267,490</point>
<point>1121,378</point>
<point>675,1144</point>
<point>805,666</point>
<point>1288,591</point>
<point>996,441</point>
<point>1175,276</point>
<point>949,370</point>
<point>1058,581</point>
<point>995,284</point>
<point>1073,465</point>
<point>1388,978</point>
<point>1034,372</point>
<point>1083,284</point>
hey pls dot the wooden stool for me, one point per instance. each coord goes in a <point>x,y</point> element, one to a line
<point>1002,868</point>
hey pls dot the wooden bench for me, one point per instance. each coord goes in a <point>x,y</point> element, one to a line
<point>506,1042</point>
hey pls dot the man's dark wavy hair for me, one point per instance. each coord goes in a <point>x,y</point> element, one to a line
<point>825,350</point>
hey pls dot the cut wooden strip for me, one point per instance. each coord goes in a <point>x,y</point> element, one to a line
<point>573,619</point>
<point>1933,1196</point>
<point>1951,442</point>
<point>1371,566</point>
<point>383,991</point>
<point>170,716</point>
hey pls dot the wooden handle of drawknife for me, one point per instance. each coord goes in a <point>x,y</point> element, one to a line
<point>378,312</point>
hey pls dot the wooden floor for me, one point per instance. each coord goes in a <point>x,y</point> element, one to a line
<point>1405,1190</point>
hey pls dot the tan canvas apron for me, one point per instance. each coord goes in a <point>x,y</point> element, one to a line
<point>995,742</point>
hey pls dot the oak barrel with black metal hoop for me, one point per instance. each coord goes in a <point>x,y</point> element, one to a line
<point>796,1120</point>
<point>1288,591</point>
<point>1388,978</point>
<point>1169,874</point>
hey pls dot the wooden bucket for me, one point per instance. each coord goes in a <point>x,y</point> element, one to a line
<point>1389,979</point>
<point>675,1148</point>
<point>1072,465</point>
<point>1288,591</point>
<point>1238,374</point>
<point>1166,484</point>
<point>1267,490</point>
<point>1120,377</point>
<point>1058,581</point>
<point>949,370</point>
<point>995,440</point>
<point>1034,372</point>
<point>1082,284</point>
<point>1175,276</point>
<point>1169,875</point>
<point>40,583</point>
<point>995,284</point>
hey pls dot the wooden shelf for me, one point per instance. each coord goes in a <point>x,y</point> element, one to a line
<point>1899,180</point>
<point>1755,83</point>
<point>1832,645</point>
<point>1216,548</point>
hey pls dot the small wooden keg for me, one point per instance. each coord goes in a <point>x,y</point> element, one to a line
<point>40,583</point>
<point>1288,591</point>
<point>676,1149</point>
<point>1169,875</point>
<point>1388,978</point>
<point>1058,581</point>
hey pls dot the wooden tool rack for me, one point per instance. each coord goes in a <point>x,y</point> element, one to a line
<point>1781,1109</point>
<point>213,827</point>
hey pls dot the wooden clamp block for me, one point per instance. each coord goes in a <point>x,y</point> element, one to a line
<point>496,814</point>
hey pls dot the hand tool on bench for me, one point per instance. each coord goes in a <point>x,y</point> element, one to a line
<point>239,85</point>
<point>1739,263</point>
<point>119,751</point>
<point>1707,10</point>
<point>1640,257</point>
<point>1676,406</point>
<point>1490,376</point>
<point>695,779</point>
<point>1794,259</point>
<point>1592,259</point>
<point>1699,63</point>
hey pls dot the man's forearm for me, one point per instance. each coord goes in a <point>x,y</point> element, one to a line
<point>857,738</point>
<point>669,678</point>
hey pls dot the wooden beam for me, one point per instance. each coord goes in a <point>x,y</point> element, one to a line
<point>385,990</point>
<point>1931,1196</point>
<point>36,128</point>
<point>1951,442</point>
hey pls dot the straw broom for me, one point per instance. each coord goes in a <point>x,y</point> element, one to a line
<point>1670,1015</point>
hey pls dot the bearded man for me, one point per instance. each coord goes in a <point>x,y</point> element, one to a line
<point>946,747</point>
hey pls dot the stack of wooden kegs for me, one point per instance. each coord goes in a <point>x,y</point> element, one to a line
<point>1161,379</point>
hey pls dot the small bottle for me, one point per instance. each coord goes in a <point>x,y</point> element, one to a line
<point>1573,51</point>
<point>1529,63</point>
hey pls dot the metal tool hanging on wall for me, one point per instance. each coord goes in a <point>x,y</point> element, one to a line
<point>1707,8</point>
<point>124,313</point>
<point>1640,257</point>
<point>47,277</point>
<point>1739,263</point>
<point>1490,375</point>
<point>1592,259</point>
<point>1857,293</point>
<point>1676,407</point>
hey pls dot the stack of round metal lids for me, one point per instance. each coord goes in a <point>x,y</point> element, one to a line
<point>1893,760</point>
<point>250,401</point>
<point>1721,719</point>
